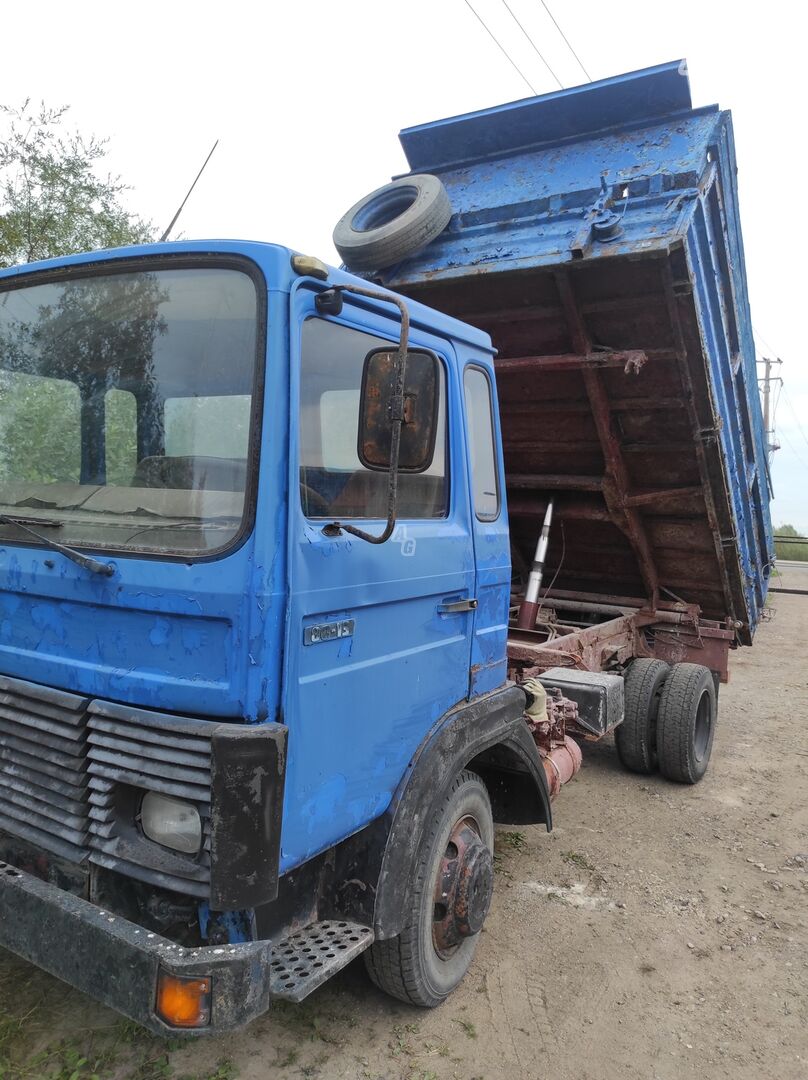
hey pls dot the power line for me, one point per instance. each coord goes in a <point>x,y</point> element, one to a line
<point>533,44</point>
<point>794,413</point>
<point>794,450</point>
<point>763,341</point>
<point>566,39</point>
<point>501,47</point>
<point>776,403</point>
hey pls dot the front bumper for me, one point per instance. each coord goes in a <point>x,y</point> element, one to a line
<point>117,962</point>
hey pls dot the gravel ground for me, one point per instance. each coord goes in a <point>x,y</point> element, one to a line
<point>660,931</point>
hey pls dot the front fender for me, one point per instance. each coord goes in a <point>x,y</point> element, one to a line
<point>487,735</point>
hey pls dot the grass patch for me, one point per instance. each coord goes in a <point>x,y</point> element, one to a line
<point>515,840</point>
<point>576,859</point>
<point>400,1043</point>
<point>467,1026</point>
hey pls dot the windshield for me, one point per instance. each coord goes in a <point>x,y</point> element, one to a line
<point>126,404</point>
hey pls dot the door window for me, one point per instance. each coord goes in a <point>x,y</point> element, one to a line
<point>333,482</point>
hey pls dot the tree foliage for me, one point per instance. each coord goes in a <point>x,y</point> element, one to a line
<point>796,552</point>
<point>74,352</point>
<point>52,200</point>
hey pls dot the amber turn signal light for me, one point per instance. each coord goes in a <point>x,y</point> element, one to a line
<point>183,1002</point>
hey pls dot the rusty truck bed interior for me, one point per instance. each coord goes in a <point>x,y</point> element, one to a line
<point>599,413</point>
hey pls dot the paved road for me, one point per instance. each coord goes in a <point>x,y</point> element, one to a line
<point>792,575</point>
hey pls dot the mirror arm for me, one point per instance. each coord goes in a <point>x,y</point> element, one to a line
<point>334,528</point>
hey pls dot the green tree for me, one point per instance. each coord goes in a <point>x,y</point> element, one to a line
<point>52,200</point>
<point>94,335</point>
<point>797,552</point>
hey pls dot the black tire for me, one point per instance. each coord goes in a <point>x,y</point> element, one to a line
<point>393,222</point>
<point>686,723</point>
<point>636,737</point>
<point>409,967</point>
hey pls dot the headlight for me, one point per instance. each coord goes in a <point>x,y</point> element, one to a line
<point>171,822</point>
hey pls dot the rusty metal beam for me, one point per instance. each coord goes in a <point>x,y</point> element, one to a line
<point>561,482</point>
<point>620,601</point>
<point>652,498</point>
<point>656,448</point>
<point>628,360</point>
<point>553,482</point>
<point>626,518</point>
<point>531,505</point>
<point>590,648</point>
<point>552,443</point>
<point>569,405</point>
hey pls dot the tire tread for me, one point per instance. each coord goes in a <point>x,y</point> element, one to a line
<point>630,737</point>
<point>673,731</point>
<point>392,964</point>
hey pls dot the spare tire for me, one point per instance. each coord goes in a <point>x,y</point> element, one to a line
<point>393,222</point>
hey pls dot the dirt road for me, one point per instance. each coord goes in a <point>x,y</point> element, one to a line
<point>659,932</point>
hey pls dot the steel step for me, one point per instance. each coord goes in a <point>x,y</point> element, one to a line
<point>305,960</point>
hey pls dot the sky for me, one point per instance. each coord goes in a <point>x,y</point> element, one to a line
<point>307,100</point>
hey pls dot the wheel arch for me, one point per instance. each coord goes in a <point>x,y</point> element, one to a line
<point>487,735</point>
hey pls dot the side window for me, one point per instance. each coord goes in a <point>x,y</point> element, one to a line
<point>120,436</point>
<point>333,482</point>
<point>40,429</point>
<point>480,412</point>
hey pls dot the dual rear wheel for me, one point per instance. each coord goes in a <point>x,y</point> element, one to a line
<point>670,715</point>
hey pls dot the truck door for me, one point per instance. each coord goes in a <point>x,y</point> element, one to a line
<point>490,530</point>
<point>378,636</point>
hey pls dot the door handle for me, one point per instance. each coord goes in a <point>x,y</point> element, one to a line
<point>452,607</point>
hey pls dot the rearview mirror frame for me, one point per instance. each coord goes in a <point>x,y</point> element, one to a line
<point>419,406</point>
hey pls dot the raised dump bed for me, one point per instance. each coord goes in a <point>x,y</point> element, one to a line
<point>595,234</point>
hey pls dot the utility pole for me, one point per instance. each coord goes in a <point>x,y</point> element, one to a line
<point>768,422</point>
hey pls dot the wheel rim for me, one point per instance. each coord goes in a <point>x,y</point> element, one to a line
<point>463,889</point>
<point>703,726</point>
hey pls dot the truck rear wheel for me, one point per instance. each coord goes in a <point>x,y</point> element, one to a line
<point>636,737</point>
<point>686,723</point>
<point>450,897</point>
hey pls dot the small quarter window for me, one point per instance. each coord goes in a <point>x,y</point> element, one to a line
<point>479,409</point>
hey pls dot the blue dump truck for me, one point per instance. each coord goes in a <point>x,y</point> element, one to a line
<point>310,576</point>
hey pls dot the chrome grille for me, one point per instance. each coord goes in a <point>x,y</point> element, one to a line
<point>43,767</point>
<point>147,751</point>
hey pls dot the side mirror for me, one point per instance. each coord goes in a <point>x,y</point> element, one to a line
<point>418,431</point>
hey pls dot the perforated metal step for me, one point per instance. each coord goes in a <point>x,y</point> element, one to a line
<point>305,960</point>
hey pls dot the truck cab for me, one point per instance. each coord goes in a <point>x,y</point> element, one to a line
<point>217,688</point>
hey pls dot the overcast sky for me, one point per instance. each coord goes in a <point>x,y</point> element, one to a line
<point>307,99</point>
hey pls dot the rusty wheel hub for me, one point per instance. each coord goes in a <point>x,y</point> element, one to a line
<point>464,887</point>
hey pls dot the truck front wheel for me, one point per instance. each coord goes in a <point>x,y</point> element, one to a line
<point>686,724</point>
<point>449,900</point>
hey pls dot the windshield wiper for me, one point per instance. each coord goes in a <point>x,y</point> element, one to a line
<point>107,569</point>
